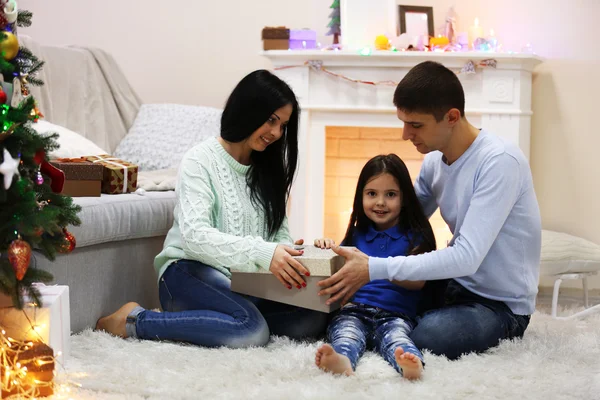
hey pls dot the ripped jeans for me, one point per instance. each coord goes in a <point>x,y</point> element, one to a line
<point>358,327</point>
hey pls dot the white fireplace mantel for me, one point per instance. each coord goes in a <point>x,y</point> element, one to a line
<point>497,99</point>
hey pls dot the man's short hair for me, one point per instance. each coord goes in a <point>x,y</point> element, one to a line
<point>430,88</point>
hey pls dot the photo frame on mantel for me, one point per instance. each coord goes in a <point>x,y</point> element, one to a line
<point>416,20</point>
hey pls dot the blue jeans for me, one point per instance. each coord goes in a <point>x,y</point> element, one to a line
<point>466,323</point>
<point>358,327</point>
<point>200,308</point>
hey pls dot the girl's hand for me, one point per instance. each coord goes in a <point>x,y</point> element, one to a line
<point>324,243</point>
<point>286,268</point>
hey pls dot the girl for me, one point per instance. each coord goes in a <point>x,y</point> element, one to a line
<point>387,220</point>
<point>230,213</point>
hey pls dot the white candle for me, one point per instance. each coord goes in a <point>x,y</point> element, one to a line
<point>475,32</point>
<point>493,41</point>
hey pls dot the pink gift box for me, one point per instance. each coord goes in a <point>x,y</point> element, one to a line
<point>303,39</point>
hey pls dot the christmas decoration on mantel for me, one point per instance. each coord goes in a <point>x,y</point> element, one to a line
<point>334,24</point>
<point>33,214</point>
<point>470,67</point>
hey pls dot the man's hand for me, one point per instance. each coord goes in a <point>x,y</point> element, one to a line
<point>351,277</point>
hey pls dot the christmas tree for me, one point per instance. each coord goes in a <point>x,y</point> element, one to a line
<point>33,213</point>
<point>334,24</point>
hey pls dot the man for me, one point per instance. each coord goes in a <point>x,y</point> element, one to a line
<point>484,189</point>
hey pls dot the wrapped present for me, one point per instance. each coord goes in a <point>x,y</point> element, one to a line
<point>276,44</point>
<point>321,263</point>
<point>303,39</point>
<point>82,177</point>
<point>278,32</point>
<point>29,372</point>
<point>119,176</point>
<point>50,324</point>
<point>276,38</point>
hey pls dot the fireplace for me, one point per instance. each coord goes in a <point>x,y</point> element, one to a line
<point>343,123</point>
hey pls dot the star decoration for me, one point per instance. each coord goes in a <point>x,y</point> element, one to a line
<point>9,168</point>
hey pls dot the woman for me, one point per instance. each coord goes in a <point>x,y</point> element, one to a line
<point>230,214</point>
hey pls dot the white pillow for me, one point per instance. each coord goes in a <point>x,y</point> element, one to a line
<point>162,133</point>
<point>72,145</point>
<point>563,253</point>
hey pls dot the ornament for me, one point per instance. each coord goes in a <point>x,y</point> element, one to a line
<point>382,43</point>
<point>19,255</point>
<point>39,156</point>
<point>481,44</point>
<point>20,91</point>
<point>39,179</point>
<point>7,132</point>
<point>9,168</point>
<point>36,114</point>
<point>450,26</point>
<point>69,243</point>
<point>57,176</point>
<point>9,46</point>
<point>11,12</point>
<point>3,97</point>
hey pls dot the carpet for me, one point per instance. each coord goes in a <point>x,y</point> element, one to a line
<point>555,360</point>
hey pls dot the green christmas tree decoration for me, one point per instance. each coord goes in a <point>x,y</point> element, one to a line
<point>33,217</point>
<point>334,23</point>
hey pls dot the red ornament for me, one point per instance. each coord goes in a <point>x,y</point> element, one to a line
<point>57,176</point>
<point>39,156</point>
<point>69,243</point>
<point>3,97</point>
<point>19,255</point>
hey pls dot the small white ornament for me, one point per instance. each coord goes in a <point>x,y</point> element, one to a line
<point>11,11</point>
<point>9,168</point>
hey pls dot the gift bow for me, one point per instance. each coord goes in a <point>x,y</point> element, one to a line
<point>113,161</point>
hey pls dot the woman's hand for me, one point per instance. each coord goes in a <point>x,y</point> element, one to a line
<point>286,268</point>
<point>324,243</point>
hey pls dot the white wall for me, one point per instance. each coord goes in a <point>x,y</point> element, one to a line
<point>194,51</point>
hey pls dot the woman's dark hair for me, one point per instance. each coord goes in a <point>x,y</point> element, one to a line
<point>412,217</point>
<point>271,173</point>
<point>430,88</point>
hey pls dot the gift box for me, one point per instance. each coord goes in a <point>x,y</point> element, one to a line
<point>119,176</point>
<point>276,44</point>
<point>301,39</point>
<point>50,324</point>
<point>321,263</point>
<point>82,177</point>
<point>278,32</point>
<point>37,361</point>
<point>276,38</point>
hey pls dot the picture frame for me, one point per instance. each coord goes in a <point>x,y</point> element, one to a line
<point>414,19</point>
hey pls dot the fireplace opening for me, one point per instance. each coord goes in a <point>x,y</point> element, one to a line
<point>347,149</point>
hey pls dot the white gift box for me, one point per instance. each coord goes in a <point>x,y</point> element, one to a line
<point>50,323</point>
<point>319,262</point>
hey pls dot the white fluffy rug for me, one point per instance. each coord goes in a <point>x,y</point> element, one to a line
<point>555,360</point>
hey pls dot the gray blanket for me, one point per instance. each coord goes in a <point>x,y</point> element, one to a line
<point>89,93</point>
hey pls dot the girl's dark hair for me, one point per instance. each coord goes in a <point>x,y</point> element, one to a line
<point>412,217</point>
<point>271,173</point>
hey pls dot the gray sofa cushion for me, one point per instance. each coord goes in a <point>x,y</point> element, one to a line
<point>118,217</point>
<point>162,133</point>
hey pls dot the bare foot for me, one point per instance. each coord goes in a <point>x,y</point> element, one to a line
<point>330,361</point>
<point>411,365</point>
<point>115,322</point>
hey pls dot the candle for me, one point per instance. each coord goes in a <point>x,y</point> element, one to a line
<point>475,32</point>
<point>493,42</point>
